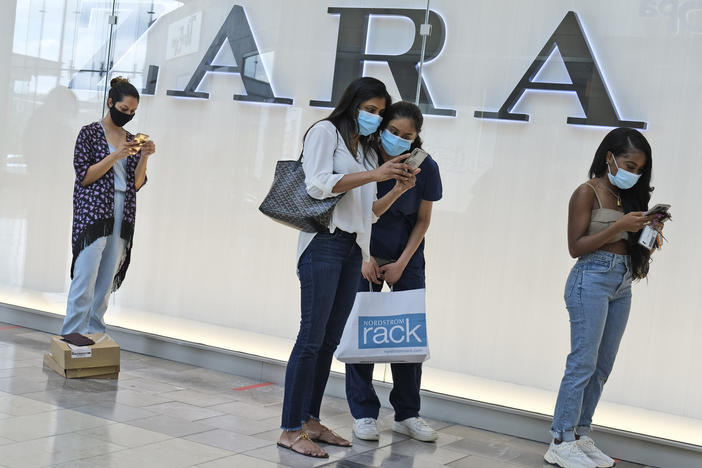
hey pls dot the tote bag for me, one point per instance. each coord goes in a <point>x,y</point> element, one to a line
<point>386,327</point>
<point>289,203</point>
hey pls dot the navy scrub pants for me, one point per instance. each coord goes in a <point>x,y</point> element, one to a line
<point>406,377</point>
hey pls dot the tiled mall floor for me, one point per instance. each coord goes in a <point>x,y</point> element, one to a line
<point>165,414</point>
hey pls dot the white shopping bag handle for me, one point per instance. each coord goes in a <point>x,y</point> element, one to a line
<point>370,287</point>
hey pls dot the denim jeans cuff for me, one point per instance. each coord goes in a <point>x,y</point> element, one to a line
<point>366,414</point>
<point>403,416</point>
<point>583,430</point>
<point>564,436</point>
<point>314,418</point>
<point>290,429</point>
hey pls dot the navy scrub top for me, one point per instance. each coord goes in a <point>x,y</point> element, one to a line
<point>392,230</point>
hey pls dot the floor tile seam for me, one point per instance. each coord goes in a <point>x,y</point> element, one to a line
<point>234,452</point>
<point>168,437</point>
<point>79,432</point>
<point>74,460</point>
<point>232,415</point>
<point>507,460</point>
<point>129,380</point>
<point>233,432</point>
<point>204,407</point>
<point>184,438</point>
<point>357,452</point>
<point>83,414</point>
<point>52,435</point>
<point>122,421</point>
<point>147,393</point>
<point>189,404</point>
<point>54,411</point>
<point>192,434</point>
<point>458,460</point>
<point>34,414</point>
<point>215,459</point>
<point>106,400</point>
<point>134,375</point>
<point>89,436</point>
<point>331,463</point>
<point>61,407</point>
<point>33,400</point>
<point>200,420</point>
<point>204,395</point>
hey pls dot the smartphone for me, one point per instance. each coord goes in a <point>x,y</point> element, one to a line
<point>416,158</point>
<point>383,261</point>
<point>660,208</point>
<point>139,139</point>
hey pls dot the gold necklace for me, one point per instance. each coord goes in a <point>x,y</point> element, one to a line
<point>616,195</point>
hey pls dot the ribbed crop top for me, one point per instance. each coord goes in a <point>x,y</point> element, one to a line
<point>602,218</point>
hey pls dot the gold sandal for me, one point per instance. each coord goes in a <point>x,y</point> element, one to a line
<point>303,436</point>
<point>326,430</point>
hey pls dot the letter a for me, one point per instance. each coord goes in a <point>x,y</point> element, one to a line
<point>237,31</point>
<point>586,80</point>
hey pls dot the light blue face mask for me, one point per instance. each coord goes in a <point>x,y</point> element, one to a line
<point>368,123</point>
<point>624,179</point>
<point>393,144</point>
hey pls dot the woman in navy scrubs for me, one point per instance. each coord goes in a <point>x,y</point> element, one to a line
<point>398,237</point>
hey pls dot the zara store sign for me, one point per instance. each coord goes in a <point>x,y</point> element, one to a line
<point>586,77</point>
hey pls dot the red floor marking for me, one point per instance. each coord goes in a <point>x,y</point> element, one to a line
<point>9,328</point>
<point>249,387</point>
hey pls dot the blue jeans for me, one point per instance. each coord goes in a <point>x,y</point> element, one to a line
<point>328,270</point>
<point>406,377</point>
<point>598,299</point>
<point>93,275</point>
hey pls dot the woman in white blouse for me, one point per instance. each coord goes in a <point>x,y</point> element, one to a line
<point>337,159</point>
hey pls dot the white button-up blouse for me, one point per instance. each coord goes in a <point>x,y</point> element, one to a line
<point>325,161</point>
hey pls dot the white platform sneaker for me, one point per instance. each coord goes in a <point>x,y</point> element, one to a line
<point>587,445</point>
<point>416,428</point>
<point>366,429</point>
<point>568,455</point>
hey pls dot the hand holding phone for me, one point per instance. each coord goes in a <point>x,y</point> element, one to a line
<point>139,140</point>
<point>651,234</point>
<point>660,208</point>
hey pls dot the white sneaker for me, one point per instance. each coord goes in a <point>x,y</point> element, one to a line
<point>366,429</point>
<point>587,445</point>
<point>416,428</point>
<point>568,455</point>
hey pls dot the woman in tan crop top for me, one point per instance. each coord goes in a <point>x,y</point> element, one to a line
<point>605,217</point>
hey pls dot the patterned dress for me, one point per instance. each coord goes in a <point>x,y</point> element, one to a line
<point>93,206</point>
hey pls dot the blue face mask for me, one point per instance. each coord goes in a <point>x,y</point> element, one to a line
<point>393,144</point>
<point>624,179</point>
<point>368,123</point>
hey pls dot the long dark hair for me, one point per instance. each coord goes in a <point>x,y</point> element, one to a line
<point>345,113</point>
<point>404,110</point>
<point>620,141</point>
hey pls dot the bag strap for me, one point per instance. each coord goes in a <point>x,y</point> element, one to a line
<point>335,148</point>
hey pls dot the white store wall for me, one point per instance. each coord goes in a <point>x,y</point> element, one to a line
<point>496,252</point>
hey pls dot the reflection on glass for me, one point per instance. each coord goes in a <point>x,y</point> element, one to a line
<point>253,68</point>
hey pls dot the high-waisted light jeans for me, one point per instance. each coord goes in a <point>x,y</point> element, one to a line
<point>598,299</point>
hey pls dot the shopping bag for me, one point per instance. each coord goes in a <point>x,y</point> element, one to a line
<point>385,327</point>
